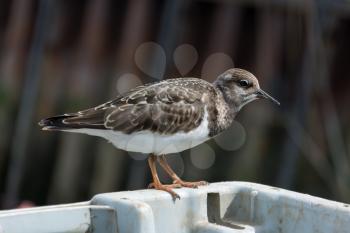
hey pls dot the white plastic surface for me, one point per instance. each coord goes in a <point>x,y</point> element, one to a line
<point>77,218</point>
<point>228,207</point>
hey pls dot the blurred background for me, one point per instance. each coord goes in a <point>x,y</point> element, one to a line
<point>64,56</point>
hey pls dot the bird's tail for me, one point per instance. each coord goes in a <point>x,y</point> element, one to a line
<point>56,123</point>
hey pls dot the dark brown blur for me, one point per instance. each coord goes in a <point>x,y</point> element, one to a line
<point>64,56</point>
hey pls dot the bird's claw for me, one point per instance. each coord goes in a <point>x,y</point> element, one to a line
<point>176,184</point>
<point>152,185</point>
<point>167,188</point>
<point>190,184</point>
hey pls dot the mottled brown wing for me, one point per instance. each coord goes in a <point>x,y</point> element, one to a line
<point>163,109</point>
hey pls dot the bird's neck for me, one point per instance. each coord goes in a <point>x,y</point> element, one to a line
<point>226,115</point>
<point>222,114</point>
<point>231,100</point>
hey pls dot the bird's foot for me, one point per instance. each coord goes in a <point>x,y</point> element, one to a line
<point>190,184</point>
<point>167,188</point>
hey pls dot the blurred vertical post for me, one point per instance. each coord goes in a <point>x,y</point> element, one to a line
<point>168,34</point>
<point>29,96</point>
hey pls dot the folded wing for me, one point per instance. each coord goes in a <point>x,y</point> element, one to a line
<point>160,108</point>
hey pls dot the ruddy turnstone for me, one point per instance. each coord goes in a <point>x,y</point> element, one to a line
<point>166,117</point>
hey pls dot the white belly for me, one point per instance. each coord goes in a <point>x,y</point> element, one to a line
<point>148,142</point>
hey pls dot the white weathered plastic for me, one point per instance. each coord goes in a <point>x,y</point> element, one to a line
<point>227,207</point>
<point>77,218</point>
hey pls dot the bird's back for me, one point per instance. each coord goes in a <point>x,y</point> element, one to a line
<point>165,107</point>
<point>160,118</point>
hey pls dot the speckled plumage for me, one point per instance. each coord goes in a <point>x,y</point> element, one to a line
<point>165,107</point>
<point>171,107</point>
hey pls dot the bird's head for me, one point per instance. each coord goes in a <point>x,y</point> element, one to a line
<point>240,87</point>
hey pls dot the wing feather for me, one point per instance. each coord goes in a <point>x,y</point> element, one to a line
<point>167,110</point>
<point>164,107</point>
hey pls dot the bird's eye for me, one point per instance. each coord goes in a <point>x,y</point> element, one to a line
<point>243,83</point>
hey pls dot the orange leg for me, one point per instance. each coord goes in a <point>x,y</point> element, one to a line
<point>156,182</point>
<point>176,179</point>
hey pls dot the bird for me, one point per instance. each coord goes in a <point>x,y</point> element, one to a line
<point>165,117</point>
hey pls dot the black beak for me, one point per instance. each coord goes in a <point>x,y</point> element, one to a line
<point>263,95</point>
